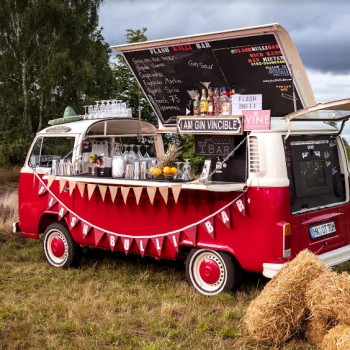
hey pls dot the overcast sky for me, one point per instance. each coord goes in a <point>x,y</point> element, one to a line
<point>320,29</point>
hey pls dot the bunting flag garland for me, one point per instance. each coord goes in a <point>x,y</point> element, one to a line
<point>52,202</point>
<point>137,192</point>
<point>176,191</point>
<point>98,235</point>
<point>72,185</point>
<point>125,192</point>
<point>62,183</point>
<point>151,191</point>
<point>113,191</point>
<point>73,220</point>
<point>62,211</point>
<point>164,191</point>
<point>240,205</point>
<point>85,229</point>
<point>158,243</point>
<point>126,242</point>
<point>141,244</point>
<point>112,239</point>
<point>208,225</point>
<point>91,189</point>
<point>225,217</point>
<point>81,188</point>
<point>174,240</point>
<point>191,233</point>
<point>50,180</point>
<point>42,190</point>
<point>103,190</point>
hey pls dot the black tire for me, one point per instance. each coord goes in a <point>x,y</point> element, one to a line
<point>59,248</point>
<point>212,272</point>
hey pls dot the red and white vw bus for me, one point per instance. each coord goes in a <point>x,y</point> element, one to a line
<point>282,189</point>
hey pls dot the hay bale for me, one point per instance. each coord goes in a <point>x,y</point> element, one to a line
<point>316,329</point>
<point>328,299</point>
<point>338,338</point>
<point>278,312</point>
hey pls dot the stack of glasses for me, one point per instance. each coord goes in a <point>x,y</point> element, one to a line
<point>107,109</point>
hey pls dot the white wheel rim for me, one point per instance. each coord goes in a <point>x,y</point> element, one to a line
<point>54,260</point>
<point>207,288</point>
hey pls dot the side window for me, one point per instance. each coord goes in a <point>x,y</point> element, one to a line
<point>47,149</point>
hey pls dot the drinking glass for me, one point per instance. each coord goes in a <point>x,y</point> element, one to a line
<point>131,152</point>
<point>178,175</point>
<point>146,155</point>
<point>136,170</point>
<point>139,154</point>
<point>129,171</point>
<point>186,171</point>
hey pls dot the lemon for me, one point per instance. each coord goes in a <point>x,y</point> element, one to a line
<point>157,171</point>
<point>151,170</point>
<point>173,170</point>
<point>166,170</point>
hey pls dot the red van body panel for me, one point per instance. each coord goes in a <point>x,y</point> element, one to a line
<point>253,239</point>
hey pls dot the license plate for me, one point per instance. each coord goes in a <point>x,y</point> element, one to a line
<point>322,230</point>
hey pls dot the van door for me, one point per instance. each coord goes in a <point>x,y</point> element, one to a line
<point>317,190</point>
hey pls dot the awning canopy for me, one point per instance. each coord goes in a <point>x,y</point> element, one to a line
<point>121,127</point>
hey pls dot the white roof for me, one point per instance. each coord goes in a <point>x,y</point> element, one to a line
<point>113,127</point>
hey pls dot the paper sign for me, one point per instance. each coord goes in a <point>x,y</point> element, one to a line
<point>256,120</point>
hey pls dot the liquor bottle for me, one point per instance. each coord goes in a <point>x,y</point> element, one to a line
<point>189,108</point>
<point>203,108</point>
<point>217,102</point>
<point>196,106</point>
<point>225,103</point>
<point>211,105</point>
<point>233,92</point>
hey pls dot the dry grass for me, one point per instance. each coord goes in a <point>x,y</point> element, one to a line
<point>8,210</point>
<point>9,174</point>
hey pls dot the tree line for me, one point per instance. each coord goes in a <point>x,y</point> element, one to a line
<point>53,55</point>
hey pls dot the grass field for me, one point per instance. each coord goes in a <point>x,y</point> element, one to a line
<point>114,302</point>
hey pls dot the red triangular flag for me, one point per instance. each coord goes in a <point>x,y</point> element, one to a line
<point>73,220</point>
<point>208,226</point>
<point>126,241</point>
<point>98,235</point>
<point>239,204</point>
<point>52,202</point>
<point>62,211</point>
<point>225,217</point>
<point>174,240</point>
<point>191,234</point>
<point>142,245</point>
<point>85,229</point>
<point>112,239</point>
<point>158,243</point>
<point>42,189</point>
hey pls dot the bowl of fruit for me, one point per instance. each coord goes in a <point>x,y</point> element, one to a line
<point>166,169</point>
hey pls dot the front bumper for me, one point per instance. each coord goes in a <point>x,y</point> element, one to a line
<point>332,258</point>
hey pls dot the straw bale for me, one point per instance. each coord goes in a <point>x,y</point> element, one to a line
<point>316,329</point>
<point>278,312</point>
<point>338,338</point>
<point>328,299</point>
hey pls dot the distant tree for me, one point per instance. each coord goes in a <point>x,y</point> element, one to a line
<point>51,55</point>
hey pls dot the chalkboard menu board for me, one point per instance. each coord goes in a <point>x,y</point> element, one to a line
<point>253,65</point>
<point>214,145</point>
